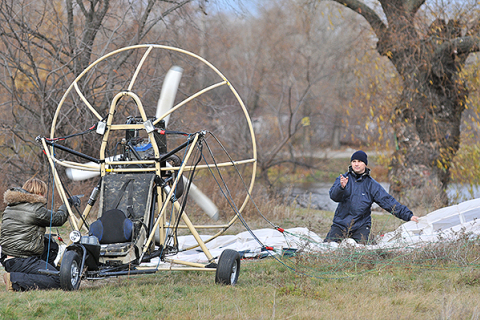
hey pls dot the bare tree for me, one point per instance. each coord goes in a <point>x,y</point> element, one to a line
<point>285,80</point>
<point>45,45</point>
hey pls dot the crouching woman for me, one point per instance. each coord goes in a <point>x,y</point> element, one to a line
<point>22,237</point>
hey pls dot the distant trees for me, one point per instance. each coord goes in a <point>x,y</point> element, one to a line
<point>292,67</point>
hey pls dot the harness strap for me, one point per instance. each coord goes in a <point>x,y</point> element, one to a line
<point>122,192</point>
<point>130,213</point>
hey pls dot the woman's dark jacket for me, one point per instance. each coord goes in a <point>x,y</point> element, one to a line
<point>355,201</point>
<point>24,222</point>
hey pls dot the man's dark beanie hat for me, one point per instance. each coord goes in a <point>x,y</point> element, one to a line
<point>360,155</point>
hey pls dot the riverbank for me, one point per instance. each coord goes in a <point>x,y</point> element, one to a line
<point>315,195</point>
<point>309,188</point>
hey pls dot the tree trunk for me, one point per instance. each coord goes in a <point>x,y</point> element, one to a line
<point>337,131</point>
<point>427,124</point>
<point>428,137</point>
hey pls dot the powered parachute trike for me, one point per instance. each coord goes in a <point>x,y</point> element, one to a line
<point>143,166</point>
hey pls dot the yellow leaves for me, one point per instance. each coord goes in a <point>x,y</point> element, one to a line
<point>442,165</point>
<point>389,54</point>
<point>306,121</point>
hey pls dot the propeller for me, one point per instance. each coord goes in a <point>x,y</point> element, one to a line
<point>165,103</point>
<point>168,93</point>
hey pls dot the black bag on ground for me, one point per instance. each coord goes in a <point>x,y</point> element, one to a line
<point>112,227</point>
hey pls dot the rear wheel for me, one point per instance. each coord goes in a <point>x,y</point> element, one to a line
<point>228,268</point>
<point>70,273</point>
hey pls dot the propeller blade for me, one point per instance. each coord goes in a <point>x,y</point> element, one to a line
<point>203,201</point>
<point>168,93</point>
<point>165,103</point>
<point>80,175</point>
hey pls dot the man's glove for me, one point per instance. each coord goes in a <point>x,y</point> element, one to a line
<point>75,201</point>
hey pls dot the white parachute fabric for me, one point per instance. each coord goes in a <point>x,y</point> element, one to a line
<point>248,244</point>
<point>446,224</point>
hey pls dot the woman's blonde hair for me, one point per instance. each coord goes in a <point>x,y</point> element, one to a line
<point>35,186</point>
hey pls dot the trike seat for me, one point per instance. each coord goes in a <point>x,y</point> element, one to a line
<point>132,194</point>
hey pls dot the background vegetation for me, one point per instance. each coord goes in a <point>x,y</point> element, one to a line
<point>309,72</point>
<point>313,82</point>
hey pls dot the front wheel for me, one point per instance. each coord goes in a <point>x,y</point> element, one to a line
<point>228,267</point>
<point>70,273</point>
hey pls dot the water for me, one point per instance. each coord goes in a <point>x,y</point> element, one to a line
<point>316,195</point>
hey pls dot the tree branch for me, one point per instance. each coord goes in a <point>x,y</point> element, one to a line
<point>458,46</point>
<point>412,6</point>
<point>161,16</point>
<point>71,27</point>
<point>366,12</point>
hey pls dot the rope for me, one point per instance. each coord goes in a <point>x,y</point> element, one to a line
<point>73,135</point>
<point>343,263</point>
<point>241,178</point>
<point>51,212</point>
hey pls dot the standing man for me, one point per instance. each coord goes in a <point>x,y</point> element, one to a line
<point>355,192</point>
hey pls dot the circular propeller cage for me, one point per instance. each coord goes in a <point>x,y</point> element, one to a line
<point>120,92</point>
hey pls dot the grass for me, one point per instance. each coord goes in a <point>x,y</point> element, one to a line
<point>440,281</point>
<point>266,290</point>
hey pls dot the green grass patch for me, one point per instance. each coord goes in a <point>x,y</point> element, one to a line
<point>266,290</point>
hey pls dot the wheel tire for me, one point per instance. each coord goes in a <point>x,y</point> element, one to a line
<point>228,268</point>
<point>70,273</point>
